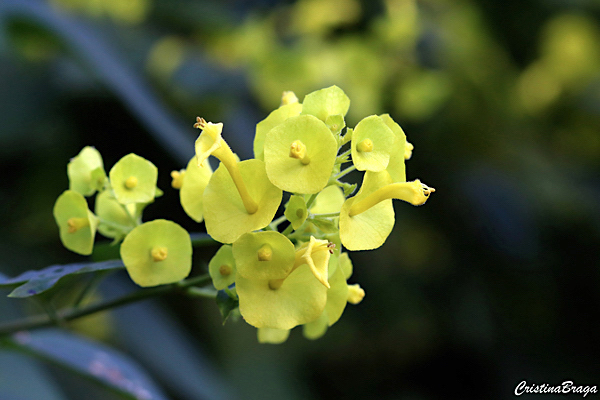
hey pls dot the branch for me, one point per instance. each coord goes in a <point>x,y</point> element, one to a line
<point>42,321</point>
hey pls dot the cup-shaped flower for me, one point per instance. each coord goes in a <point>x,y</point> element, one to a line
<point>193,184</point>
<point>210,143</point>
<point>326,102</point>
<point>300,298</point>
<point>133,179</point>
<point>264,255</point>
<point>295,211</point>
<point>157,252</point>
<point>370,229</point>
<point>300,154</point>
<point>86,171</point>
<point>315,253</point>
<point>116,219</point>
<point>337,297</point>
<point>396,167</point>
<point>275,118</point>
<point>76,223</point>
<point>367,219</point>
<point>222,267</point>
<point>371,144</point>
<point>225,215</point>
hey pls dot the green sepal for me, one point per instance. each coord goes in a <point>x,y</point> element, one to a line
<point>295,211</point>
<point>326,102</point>
<point>347,188</point>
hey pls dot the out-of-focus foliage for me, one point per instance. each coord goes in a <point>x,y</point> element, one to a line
<point>494,282</point>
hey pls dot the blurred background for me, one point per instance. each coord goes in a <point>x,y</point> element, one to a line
<point>494,281</point>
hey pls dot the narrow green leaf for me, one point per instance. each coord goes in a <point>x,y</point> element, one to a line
<point>31,283</point>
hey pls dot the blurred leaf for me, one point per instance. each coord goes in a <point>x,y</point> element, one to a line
<point>23,379</point>
<point>31,283</point>
<point>95,361</point>
<point>325,224</point>
<point>160,343</point>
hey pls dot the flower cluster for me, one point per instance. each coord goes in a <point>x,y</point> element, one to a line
<point>280,278</point>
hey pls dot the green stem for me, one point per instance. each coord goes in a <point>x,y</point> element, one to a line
<point>345,172</point>
<point>42,320</point>
<point>287,230</point>
<point>327,215</point>
<point>310,201</point>
<point>275,223</point>
<point>342,156</point>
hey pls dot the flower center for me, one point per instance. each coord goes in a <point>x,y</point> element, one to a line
<point>366,146</point>
<point>225,270</point>
<point>265,253</point>
<point>131,182</point>
<point>159,253</point>
<point>74,224</point>
<point>298,151</point>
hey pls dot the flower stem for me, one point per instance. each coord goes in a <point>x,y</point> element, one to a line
<point>345,172</point>
<point>44,320</point>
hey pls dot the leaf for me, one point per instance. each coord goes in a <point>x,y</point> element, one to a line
<point>23,378</point>
<point>226,304</point>
<point>31,283</point>
<point>93,360</point>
